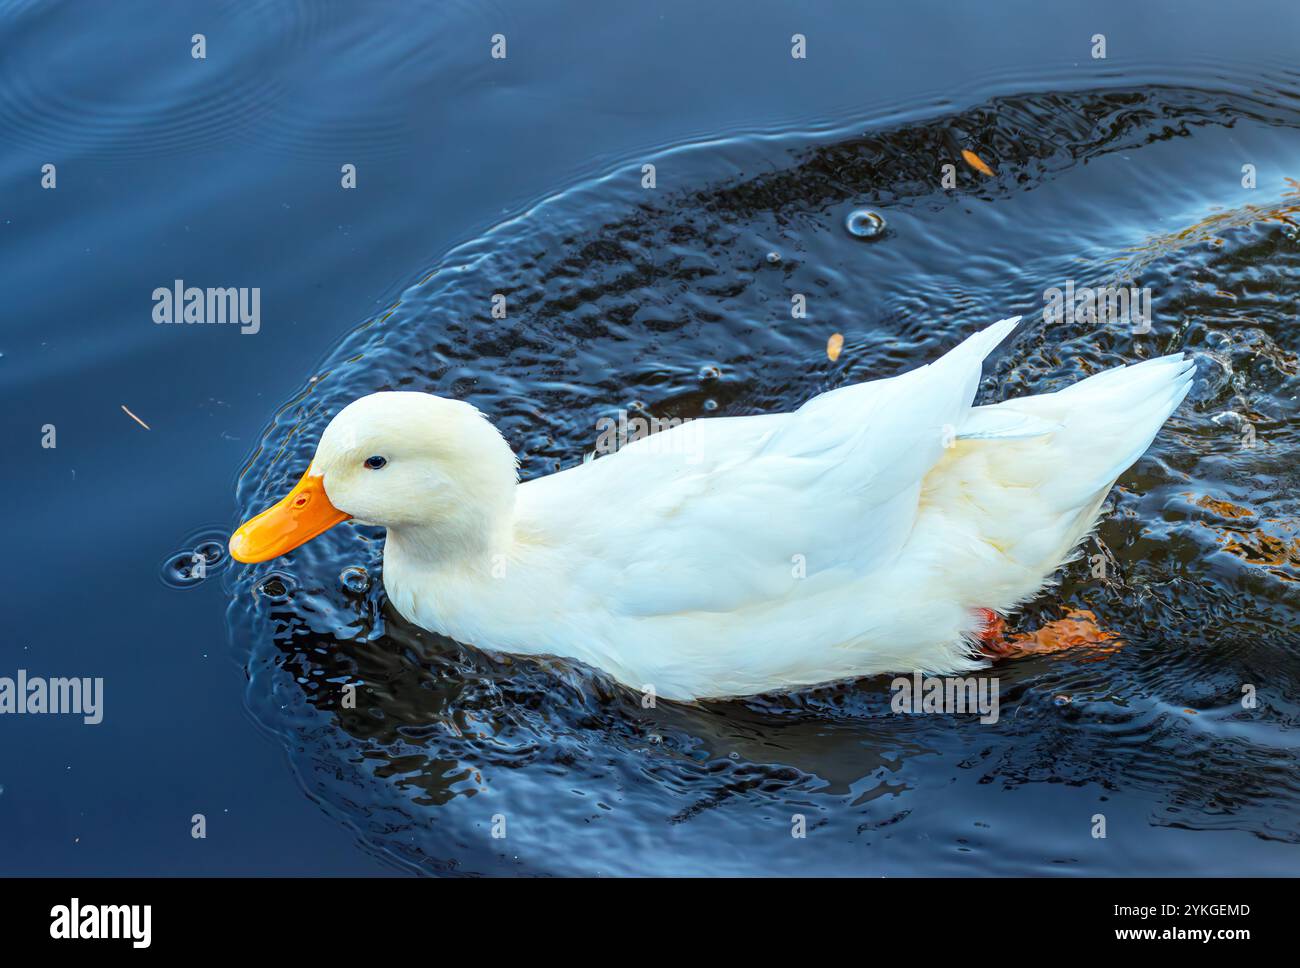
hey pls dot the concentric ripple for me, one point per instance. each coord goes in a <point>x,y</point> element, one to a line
<point>201,555</point>
<point>165,101</point>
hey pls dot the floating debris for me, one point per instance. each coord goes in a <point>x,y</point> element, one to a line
<point>134,417</point>
<point>976,162</point>
<point>865,224</point>
<point>834,345</point>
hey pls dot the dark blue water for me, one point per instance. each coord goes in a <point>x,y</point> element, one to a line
<point>522,176</point>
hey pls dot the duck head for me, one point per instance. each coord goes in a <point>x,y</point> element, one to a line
<point>410,462</point>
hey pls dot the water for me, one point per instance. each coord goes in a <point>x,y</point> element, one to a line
<point>523,177</point>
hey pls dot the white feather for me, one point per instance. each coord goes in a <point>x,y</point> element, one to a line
<point>857,535</point>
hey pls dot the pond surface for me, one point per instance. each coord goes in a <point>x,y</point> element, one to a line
<point>524,177</point>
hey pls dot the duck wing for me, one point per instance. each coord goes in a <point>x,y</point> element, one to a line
<point>726,513</point>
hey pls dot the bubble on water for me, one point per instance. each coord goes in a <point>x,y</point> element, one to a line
<point>180,565</point>
<point>201,555</point>
<point>211,551</point>
<point>710,373</point>
<point>277,586</point>
<point>1231,419</point>
<point>180,570</point>
<point>774,258</point>
<point>710,404</point>
<point>354,579</point>
<point>1213,375</point>
<point>865,224</point>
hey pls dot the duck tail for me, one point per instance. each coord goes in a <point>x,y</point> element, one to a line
<point>1101,425</point>
<point>1124,408</point>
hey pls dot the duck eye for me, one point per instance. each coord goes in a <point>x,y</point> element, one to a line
<point>376,462</point>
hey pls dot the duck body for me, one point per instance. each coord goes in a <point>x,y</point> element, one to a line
<point>863,533</point>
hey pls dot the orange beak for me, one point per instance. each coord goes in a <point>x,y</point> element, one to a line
<point>304,513</point>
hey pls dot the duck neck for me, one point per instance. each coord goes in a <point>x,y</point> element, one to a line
<point>474,541</point>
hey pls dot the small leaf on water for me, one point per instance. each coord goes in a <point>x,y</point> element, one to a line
<point>976,162</point>
<point>833,346</point>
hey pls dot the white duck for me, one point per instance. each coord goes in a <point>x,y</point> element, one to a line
<point>867,532</point>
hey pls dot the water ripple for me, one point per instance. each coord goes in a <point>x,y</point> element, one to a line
<point>667,303</point>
